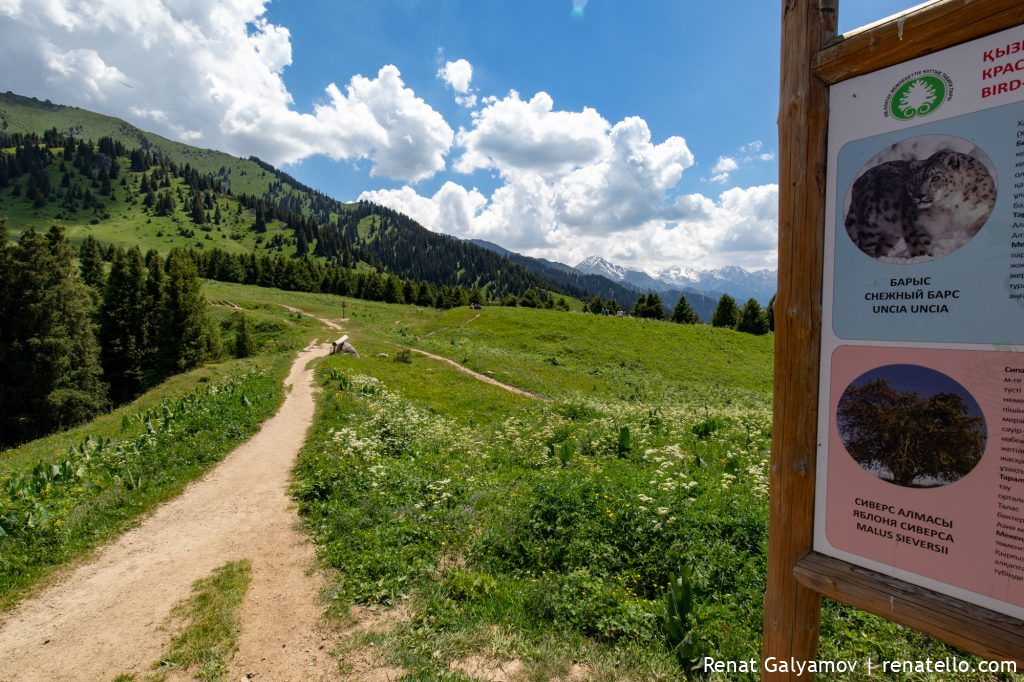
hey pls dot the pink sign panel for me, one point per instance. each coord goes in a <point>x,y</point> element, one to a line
<point>926,464</point>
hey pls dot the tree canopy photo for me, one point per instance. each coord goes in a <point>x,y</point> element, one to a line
<point>920,437</point>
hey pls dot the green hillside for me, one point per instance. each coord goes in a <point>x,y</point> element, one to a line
<point>218,201</point>
<point>30,115</point>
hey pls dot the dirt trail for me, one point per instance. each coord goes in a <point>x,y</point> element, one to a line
<point>441,329</point>
<point>483,377</point>
<point>465,370</point>
<point>108,615</point>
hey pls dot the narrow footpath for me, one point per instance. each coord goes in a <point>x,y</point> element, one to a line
<point>109,615</point>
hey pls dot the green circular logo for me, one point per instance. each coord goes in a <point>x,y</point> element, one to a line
<point>918,96</point>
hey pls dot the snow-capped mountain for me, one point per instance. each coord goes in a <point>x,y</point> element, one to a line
<point>595,265</point>
<point>739,283</point>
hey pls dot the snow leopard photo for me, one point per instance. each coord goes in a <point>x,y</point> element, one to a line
<point>920,199</point>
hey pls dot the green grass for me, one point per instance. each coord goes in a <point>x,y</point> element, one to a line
<point>545,533</point>
<point>127,223</point>
<point>70,502</point>
<point>211,624</point>
<point>26,115</point>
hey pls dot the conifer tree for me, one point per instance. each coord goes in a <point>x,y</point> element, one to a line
<point>244,343</point>
<point>726,313</point>
<point>48,347</point>
<point>124,323</point>
<point>684,313</point>
<point>261,220</point>
<point>198,213</point>
<point>529,299</point>
<point>770,314</point>
<point>184,337</point>
<point>154,320</point>
<point>751,319</point>
<point>90,260</point>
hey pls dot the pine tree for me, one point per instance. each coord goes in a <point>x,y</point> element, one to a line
<point>198,213</point>
<point>48,347</point>
<point>184,337</point>
<point>649,306</point>
<point>244,343</point>
<point>684,313</point>
<point>529,299</point>
<point>770,314</point>
<point>154,321</point>
<point>726,313</point>
<point>751,319</point>
<point>261,220</point>
<point>90,260</point>
<point>124,325</point>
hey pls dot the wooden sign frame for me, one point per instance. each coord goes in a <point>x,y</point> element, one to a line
<point>813,58</point>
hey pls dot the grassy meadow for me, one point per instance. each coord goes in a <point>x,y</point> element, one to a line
<point>541,535</point>
<point>538,535</point>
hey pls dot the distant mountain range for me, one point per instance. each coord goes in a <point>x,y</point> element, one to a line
<point>739,283</point>
<point>300,221</point>
<point>608,287</point>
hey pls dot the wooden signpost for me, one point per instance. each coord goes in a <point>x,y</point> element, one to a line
<point>899,235</point>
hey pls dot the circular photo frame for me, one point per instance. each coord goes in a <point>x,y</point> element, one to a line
<point>920,199</point>
<point>911,426</point>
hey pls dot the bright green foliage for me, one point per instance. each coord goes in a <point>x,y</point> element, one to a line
<point>726,313</point>
<point>684,313</point>
<point>625,442</point>
<point>530,299</point>
<point>48,346</point>
<point>752,319</point>
<point>680,626</point>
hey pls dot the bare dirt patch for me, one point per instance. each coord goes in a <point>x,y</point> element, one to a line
<point>483,668</point>
<point>107,616</point>
<point>360,660</point>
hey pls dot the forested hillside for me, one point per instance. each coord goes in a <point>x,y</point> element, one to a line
<point>98,175</point>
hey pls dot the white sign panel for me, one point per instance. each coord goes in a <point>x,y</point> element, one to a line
<point>921,414</point>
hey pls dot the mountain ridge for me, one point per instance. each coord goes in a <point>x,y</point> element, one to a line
<point>733,280</point>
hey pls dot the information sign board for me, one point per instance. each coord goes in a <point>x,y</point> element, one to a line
<point>920,470</point>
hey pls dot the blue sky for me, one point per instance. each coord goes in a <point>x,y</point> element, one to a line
<point>641,131</point>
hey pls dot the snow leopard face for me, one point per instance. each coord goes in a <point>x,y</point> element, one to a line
<point>951,181</point>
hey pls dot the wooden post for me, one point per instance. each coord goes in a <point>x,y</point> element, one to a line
<point>792,610</point>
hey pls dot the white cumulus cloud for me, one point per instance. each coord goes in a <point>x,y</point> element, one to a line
<point>211,73</point>
<point>574,185</point>
<point>722,168</point>
<point>458,75</point>
<point>512,135</point>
